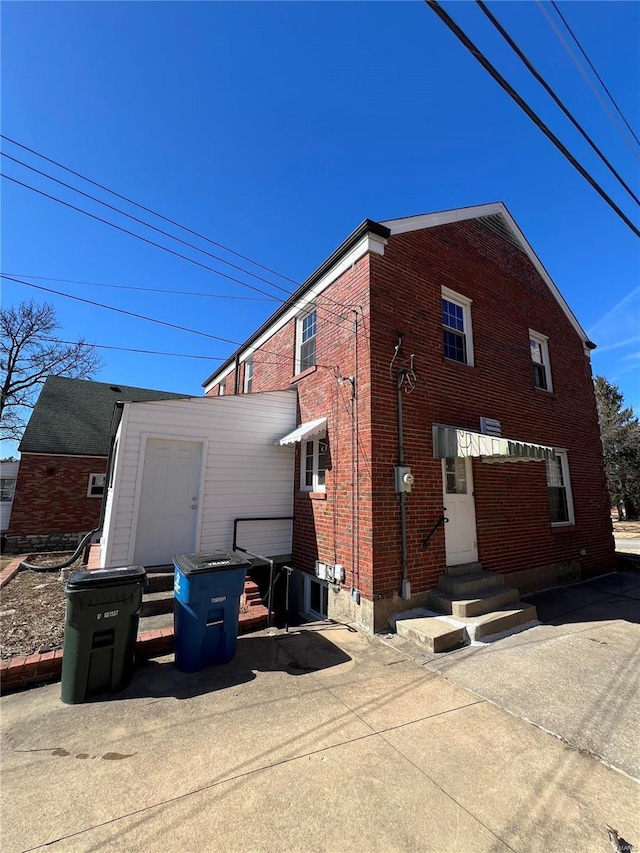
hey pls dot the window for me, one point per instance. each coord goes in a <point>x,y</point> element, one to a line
<point>222,387</point>
<point>539,348</point>
<point>248,375</point>
<point>559,488</point>
<point>7,488</point>
<point>456,327</point>
<point>306,341</point>
<point>96,485</point>
<point>316,597</point>
<point>455,471</point>
<point>314,465</point>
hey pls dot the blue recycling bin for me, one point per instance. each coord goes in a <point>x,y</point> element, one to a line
<point>207,588</point>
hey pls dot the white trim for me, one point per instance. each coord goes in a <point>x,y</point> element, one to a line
<point>369,243</point>
<point>118,463</point>
<point>563,456</point>
<point>315,486</point>
<point>431,220</point>
<point>248,376</point>
<point>543,340</point>
<point>465,303</point>
<point>312,309</point>
<point>66,455</point>
<point>92,484</point>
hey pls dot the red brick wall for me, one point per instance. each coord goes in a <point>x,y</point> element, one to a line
<point>512,506</point>
<point>51,494</point>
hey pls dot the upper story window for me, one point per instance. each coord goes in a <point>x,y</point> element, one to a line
<point>559,488</point>
<point>96,485</point>
<point>248,375</point>
<point>222,389</point>
<point>306,341</point>
<point>7,488</point>
<point>314,464</point>
<point>456,327</point>
<point>539,347</point>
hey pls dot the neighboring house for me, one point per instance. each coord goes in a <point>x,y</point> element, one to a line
<point>8,477</point>
<point>440,375</point>
<point>64,449</point>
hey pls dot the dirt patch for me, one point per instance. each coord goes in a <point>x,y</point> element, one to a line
<point>32,609</point>
<point>626,529</point>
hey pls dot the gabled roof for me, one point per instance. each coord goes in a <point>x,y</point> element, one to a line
<point>73,416</point>
<point>495,215</point>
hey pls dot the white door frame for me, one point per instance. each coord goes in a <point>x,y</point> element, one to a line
<point>144,438</point>
<point>470,555</point>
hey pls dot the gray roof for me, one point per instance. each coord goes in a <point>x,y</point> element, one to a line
<point>73,416</point>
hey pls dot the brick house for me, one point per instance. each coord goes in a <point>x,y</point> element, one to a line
<point>64,450</point>
<point>440,375</point>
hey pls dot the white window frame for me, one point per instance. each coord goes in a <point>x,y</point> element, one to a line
<point>299,342</point>
<point>308,580</point>
<point>543,342</point>
<point>8,489</point>
<point>222,389</point>
<point>566,484</point>
<point>93,478</point>
<point>315,486</point>
<point>464,303</point>
<point>248,376</point>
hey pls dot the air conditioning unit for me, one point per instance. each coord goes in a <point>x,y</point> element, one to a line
<point>490,426</point>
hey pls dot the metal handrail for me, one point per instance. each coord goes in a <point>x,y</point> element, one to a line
<point>441,521</point>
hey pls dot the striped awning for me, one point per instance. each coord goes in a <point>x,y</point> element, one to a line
<point>451,442</point>
<point>304,431</point>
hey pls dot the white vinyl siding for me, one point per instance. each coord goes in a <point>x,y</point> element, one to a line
<point>244,473</point>
<point>9,475</point>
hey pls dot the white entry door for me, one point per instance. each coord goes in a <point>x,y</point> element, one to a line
<point>169,501</point>
<point>459,509</point>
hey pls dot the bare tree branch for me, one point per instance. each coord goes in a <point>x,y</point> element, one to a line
<point>25,361</point>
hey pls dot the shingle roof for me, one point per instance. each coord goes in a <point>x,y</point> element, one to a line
<point>73,416</point>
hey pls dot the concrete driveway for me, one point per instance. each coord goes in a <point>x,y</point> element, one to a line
<point>323,739</point>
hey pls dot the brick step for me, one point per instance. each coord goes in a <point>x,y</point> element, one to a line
<point>463,569</point>
<point>154,603</point>
<point>159,581</point>
<point>482,602</point>
<point>465,586</point>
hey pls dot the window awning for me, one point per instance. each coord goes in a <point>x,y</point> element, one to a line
<point>304,431</point>
<point>452,442</point>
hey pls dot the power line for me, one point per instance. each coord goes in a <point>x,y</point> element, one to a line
<point>482,59</point>
<point>286,359</point>
<point>592,67</point>
<point>143,289</point>
<point>588,80</point>
<point>152,227</point>
<point>133,349</point>
<point>553,95</point>
<point>313,302</point>
<point>147,209</point>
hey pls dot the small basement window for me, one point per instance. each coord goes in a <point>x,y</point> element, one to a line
<point>96,485</point>
<point>539,348</point>
<point>316,597</point>
<point>456,327</point>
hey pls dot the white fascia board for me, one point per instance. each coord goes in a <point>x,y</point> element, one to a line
<point>446,217</point>
<point>369,243</point>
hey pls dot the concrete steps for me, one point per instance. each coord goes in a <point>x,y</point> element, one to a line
<point>469,604</point>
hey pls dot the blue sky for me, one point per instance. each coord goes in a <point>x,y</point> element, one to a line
<point>275,129</point>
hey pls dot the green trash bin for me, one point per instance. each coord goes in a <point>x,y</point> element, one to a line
<point>101,626</point>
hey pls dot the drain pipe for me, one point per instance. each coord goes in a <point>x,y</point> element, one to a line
<point>404,481</point>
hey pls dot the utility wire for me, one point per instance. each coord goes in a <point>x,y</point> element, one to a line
<point>286,359</point>
<point>482,59</point>
<point>588,79</point>
<point>148,225</point>
<point>505,35</point>
<point>312,302</point>
<point>133,349</point>
<point>147,209</point>
<point>593,68</point>
<point>143,289</point>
